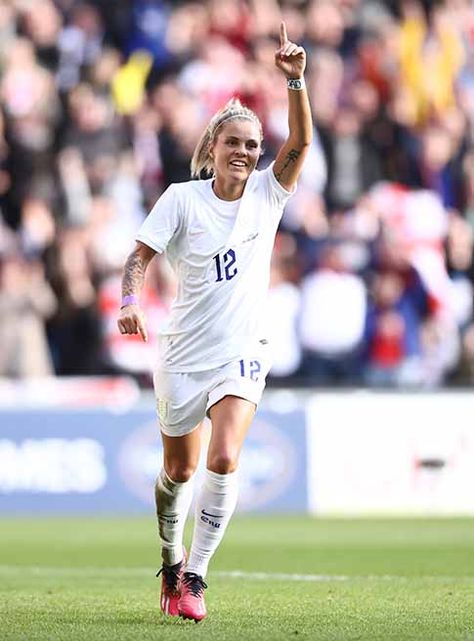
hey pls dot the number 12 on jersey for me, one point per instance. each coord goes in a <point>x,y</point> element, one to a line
<point>225,268</point>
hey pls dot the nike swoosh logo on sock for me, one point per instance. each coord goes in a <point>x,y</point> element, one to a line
<point>213,516</point>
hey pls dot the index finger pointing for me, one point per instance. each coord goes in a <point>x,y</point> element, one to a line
<point>283,36</point>
<point>142,331</point>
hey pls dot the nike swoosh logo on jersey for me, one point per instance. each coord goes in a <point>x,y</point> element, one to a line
<point>251,237</point>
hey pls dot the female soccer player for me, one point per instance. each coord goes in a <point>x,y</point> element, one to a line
<point>218,235</point>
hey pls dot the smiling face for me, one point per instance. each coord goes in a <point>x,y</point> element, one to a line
<point>236,150</point>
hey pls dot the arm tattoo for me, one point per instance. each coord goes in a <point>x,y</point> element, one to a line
<point>133,274</point>
<point>292,156</point>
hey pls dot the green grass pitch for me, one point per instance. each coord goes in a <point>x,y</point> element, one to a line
<point>300,578</point>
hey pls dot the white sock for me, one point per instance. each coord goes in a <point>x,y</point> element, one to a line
<point>214,507</point>
<point>173,500</point>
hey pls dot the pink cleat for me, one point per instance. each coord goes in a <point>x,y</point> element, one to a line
<point>171,587</point>
<point>191,604</point>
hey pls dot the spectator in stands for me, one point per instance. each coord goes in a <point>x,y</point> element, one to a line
<point>392,335</point>
<point>333,309</point>
<point>439,164</point>
<point>76,315</point>
<point>283,309</point>
<point>95,133</point>
<point>31,109</point>
<point>26,302</point>
<point>352,160</point>
<point>431,57</point>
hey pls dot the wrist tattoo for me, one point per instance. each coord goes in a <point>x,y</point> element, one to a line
<point>291,157</point>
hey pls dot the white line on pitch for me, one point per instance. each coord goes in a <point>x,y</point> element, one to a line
<point>281,576</point>
<point>98,572</point>
<point>322,578</point>
<point>75,571</point>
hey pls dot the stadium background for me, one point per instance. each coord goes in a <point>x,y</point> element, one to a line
<point>371,299</point>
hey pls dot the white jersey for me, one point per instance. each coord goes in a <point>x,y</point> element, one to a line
<point>220,251</point>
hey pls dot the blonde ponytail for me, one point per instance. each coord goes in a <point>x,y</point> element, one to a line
<point>234,109</point>
<point>201,160</point>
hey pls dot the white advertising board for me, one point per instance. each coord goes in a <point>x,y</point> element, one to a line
<point>384,453</point>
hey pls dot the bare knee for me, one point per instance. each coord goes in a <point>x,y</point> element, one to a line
<point>179,471</point>
<point>222,463</point>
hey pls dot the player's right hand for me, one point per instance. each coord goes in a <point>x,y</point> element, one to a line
<point>290,58</point>
<point>132,321</point>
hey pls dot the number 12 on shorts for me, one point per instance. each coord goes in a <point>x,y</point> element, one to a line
<point>250,369</point>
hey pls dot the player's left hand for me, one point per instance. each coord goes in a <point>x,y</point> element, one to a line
<point>290,58</point>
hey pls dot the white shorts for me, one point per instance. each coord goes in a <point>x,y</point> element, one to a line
<point>183,399</point>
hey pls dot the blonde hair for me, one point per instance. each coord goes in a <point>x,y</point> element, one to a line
<point>233,110</point>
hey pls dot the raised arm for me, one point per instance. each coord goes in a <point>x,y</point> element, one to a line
<point>291,60</point>
<point>131,319</point>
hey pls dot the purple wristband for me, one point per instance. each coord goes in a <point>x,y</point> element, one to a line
<point>129,300</point>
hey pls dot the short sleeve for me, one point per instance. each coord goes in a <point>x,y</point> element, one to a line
<point>274,194</point>
<point>162,222</point>
<point>278,193</point>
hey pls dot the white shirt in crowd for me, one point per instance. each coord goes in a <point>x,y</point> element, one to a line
<point>283,312</point>
<point>220,251</point>
<point>333,310</point>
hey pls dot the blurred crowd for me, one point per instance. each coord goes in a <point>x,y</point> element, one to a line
<point>101,105</point>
